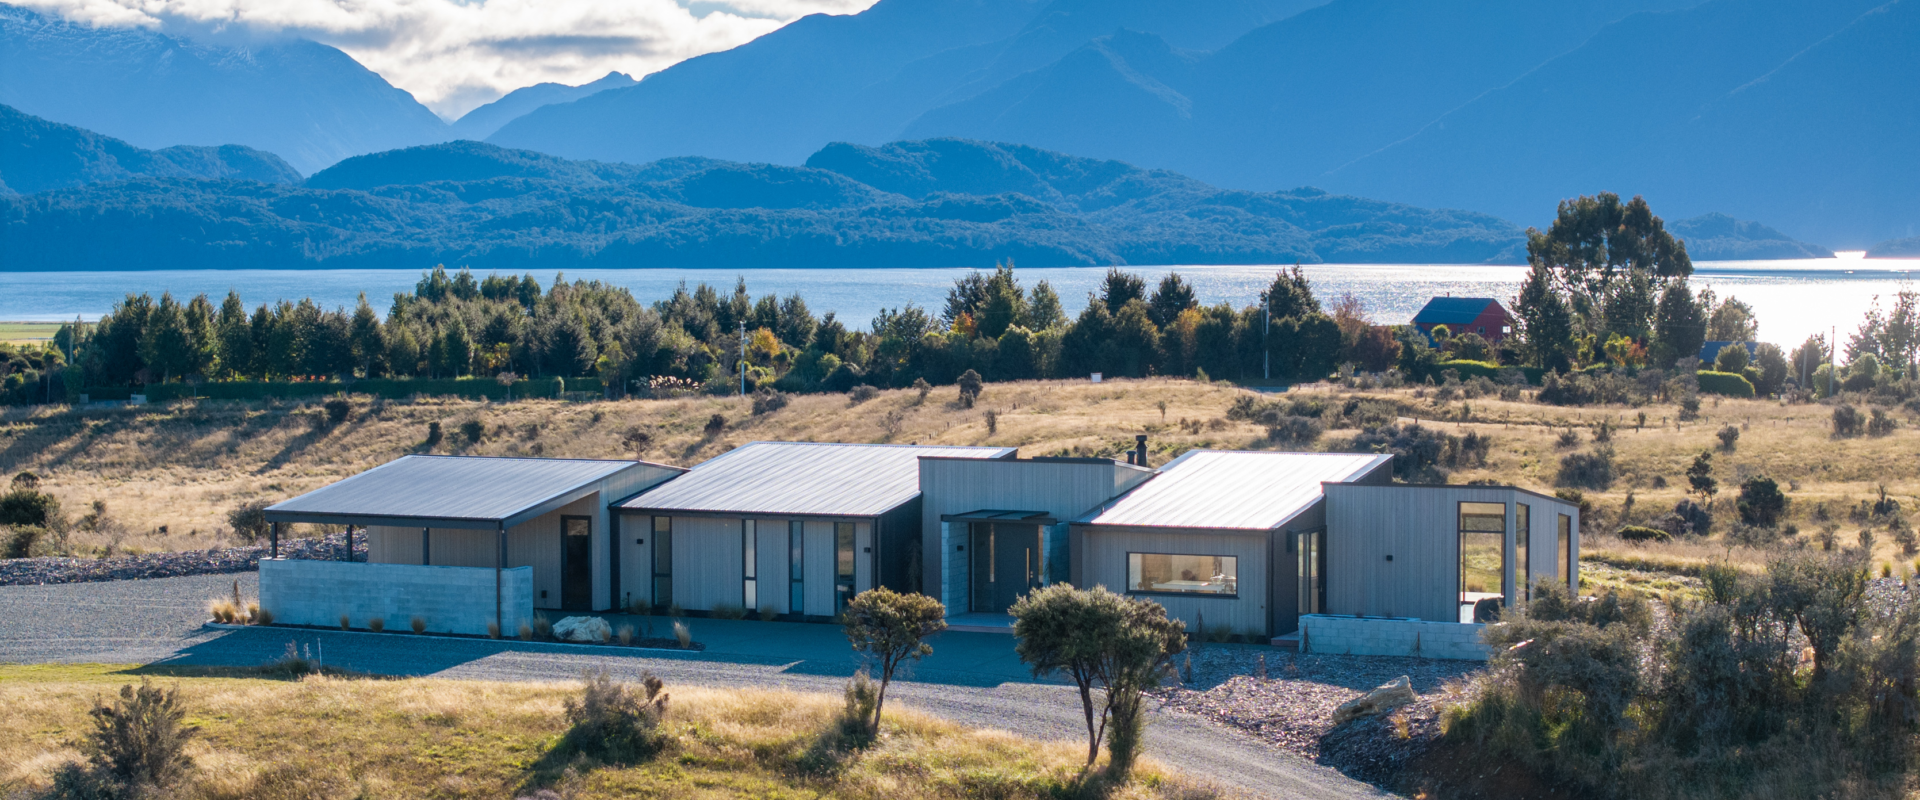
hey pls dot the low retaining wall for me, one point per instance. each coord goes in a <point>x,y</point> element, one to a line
<point>1376,636</point>
<point>450,599</point>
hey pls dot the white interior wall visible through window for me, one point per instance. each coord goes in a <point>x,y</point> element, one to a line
<point>749,585</point>
<point>1183,574</point>
<point>1483,553</point>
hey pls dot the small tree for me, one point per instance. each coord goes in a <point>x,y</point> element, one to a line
<point>891,628</point>
<point>969,388</point>
<point>249,520</point>
<point>1761,502</point>
<point>1098,638</point>
<point>140,740</point>
<point>1700,476</point>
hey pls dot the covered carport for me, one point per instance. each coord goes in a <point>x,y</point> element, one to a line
<point>463,543</point>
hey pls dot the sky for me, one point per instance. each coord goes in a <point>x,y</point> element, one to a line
<point>455,56</point>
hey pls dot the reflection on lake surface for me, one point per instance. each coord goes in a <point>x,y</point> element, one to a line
<point>1792,298</point>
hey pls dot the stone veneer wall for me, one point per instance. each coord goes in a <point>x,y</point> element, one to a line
<point>450,599</point>
<point>1375,636</point>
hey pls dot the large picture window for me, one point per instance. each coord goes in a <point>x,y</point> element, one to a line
<point>1483,556</point>
<point>1162,573</point>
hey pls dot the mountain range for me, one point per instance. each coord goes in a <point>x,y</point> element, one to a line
<point>483,121</point>
<point>37,155</point>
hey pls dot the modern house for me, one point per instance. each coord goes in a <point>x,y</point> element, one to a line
<point>1320,550</point>
<point>458,541</point>
<point>795,527</point>
<point>1481,315</point>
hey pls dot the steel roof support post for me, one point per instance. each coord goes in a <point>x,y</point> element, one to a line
<point>499,563</point>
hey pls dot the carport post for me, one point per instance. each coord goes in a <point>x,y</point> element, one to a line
<point>499,562</point>
<point>273,538</point>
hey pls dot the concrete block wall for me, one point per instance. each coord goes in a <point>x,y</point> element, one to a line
<point>1374,636</point>
<point>450,599</point>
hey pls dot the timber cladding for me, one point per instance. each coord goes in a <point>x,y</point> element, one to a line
<point>1102,556</point>
<point>1394,551</point>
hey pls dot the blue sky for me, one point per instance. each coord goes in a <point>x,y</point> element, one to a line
<point>454,55</point>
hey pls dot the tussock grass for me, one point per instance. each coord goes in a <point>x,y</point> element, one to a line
<point>328,736</point>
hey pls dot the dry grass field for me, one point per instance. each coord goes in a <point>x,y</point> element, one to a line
<point>169,474</point>
<point>27,332</point>
<point>262,738</point>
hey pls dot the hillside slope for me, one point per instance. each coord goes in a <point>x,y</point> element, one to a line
<point>309,103</point>
<point>37,155</point>
<point>483,121</point>
<point>935,203</point>
<point>1718,237</point>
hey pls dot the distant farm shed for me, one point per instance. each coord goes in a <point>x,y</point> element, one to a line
<point>1480,315</point>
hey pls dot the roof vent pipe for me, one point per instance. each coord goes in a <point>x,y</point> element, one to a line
<point>1139,450</point>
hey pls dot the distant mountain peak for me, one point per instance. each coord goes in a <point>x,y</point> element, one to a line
<point>38,155</point>
<point>483,121</point>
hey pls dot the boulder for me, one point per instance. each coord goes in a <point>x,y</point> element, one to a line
<point>582,629</point>
<point>1391,695</point>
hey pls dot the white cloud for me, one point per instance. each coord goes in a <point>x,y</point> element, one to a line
<point>454,56</point>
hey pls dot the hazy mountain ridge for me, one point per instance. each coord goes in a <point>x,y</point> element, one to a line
<point>483,121</point>
<point>937,203</point>
<point>38,155</point>
<point>1718,237</point>
<point>306,102</point>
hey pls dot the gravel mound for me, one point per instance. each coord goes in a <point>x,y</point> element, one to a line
<point>43,571</point>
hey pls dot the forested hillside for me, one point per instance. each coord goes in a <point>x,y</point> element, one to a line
<point>934,203</point>
<point>37,155</point>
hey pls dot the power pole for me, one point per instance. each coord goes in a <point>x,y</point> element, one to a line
<point>743,359</point>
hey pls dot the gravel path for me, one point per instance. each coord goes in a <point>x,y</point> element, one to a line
<point>159,621</point>
<point>52,570</point>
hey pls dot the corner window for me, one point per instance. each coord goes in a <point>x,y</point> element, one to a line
<point>1483,556</point>
<point>750,584</point>
<point>1162,573</point>
<point>1564,559</point>
<point>1522,531</point>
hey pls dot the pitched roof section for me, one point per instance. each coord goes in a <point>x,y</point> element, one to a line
<point>1452,310</point>
<point>453,488</point>
<point>803,478</point>
<point>1232,490</point>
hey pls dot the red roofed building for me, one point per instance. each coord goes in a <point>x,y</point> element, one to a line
<point>1480,315</point>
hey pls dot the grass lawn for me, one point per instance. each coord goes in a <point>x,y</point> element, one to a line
<point>263,737</point>
<point>27,332</point>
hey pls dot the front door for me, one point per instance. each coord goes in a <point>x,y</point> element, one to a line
<point>576,563</point>
<point>1005,564</point>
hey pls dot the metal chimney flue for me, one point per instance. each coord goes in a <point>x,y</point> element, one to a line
<point>1139,450</point>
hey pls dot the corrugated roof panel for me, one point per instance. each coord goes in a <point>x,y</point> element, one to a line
<point>825,479</point>
<point>1232,490</point>
<point>1452,310</point>
<point>452,487</point>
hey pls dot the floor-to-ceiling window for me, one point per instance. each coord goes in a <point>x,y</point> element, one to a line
<point>843,565</point>
<point>1564,558</point>
<point>749,582</point>
<point>1311,547</point>
<point>1522,531</point>
<point>796,567</point>
<point>1483,557</point>
<point>662,562</point>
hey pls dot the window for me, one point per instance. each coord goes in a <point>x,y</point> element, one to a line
<point>796,567</point>
<point>749,589</point>
<point>1161,573</point>
<point>1312,549</point>
<point>662,562</point>
<point>1564,559</point>
<point>1483,555</point>
<point>1522,530</point>
<point>842,565</point>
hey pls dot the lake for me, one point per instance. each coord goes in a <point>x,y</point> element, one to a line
<point>1793,299</point>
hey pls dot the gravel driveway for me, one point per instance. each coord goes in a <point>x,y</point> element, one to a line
<point>159,620</point>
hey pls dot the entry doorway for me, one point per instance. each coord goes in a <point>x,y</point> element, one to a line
<point>1005,564</point>
<point>576,563</point>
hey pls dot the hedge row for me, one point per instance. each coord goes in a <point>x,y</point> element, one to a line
<point>471,388</point>
<point>1725,383</point>
<point>1489,370</point>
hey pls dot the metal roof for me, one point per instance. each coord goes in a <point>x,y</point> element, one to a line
<point>803,478</point>
<point>1232,489</point>
<point>1452,310</point>
<point>449,491</point>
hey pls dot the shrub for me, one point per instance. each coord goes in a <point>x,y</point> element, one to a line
<point>542,627</point>
<point>377,624</point>
<point>23,505</point>
<point>260,616</point>
<point>433,435</point>
<point>614,723</point>
<point>337,410</point>
<point>920,389</point>
<point>1761,502</point>
<point>1692,518</point>
<point>1568,439</point>
<point>861,394</point>
<point>1846,421</point>
<point>223,611</point>
<point>1729,384</point>
<point>1881,423</point>
<point>1419,452</point>
<point>1100,640</point>
<point>891,628</point>
<point>418,624</point>
<point>993,422</point>
<point>1638,533</point>
<point>345,623</point>
<point>526,632</point>
<point>139,742</point>
<point>970,386</point>
<point>681,633</point>
<point>1295,431</point>
<point>715,424</point>
<point>1728,436</point>
<point>473,430</point>
<point>768,613</point>
<point>18,541</point>
<point>1591,470</point>
<point>768,400</point>
<point>625,634</point>
<point>1689,408</point>
<point>249,521</point>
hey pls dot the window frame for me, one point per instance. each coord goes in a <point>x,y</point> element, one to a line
<point>846,549</point>
<point>1461,534</point>
<point>749,569</point>
<point>1522,531</point>
<point>797,567</point>
<point>1565,556</point>
<point>1234,595</point>
<point>662,567</point>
